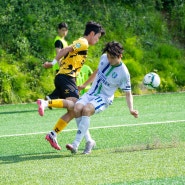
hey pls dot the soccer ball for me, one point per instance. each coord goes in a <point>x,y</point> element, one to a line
<point>151,80</point>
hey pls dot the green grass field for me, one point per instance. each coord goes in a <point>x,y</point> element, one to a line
<point>148,150</point>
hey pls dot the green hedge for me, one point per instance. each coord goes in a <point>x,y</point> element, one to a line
<point>150,31</point>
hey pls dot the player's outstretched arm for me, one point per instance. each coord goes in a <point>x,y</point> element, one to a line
<point>129,99</point>
<point>89,81</point>
<point>62,52</point>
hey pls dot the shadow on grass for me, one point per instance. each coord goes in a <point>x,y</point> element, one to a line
<point>18,112</point>
<point>30,157</point>
<point>154,146</point>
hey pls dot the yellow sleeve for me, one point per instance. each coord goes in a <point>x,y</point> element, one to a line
<point>80,45</point>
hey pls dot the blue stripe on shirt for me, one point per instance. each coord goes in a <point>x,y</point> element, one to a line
<point>97,84</point>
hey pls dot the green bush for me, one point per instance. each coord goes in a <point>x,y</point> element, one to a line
<point>147,30</point>
<point>12,83</point>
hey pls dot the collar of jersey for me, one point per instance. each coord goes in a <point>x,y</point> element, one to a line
<point>118,65</point>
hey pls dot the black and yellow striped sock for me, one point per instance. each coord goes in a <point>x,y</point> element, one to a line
<point>57,103</point>
<point>60,125</point>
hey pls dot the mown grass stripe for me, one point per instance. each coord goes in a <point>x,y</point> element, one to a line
<point>102,127</point>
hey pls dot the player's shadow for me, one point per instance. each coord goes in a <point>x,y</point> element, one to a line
<point>18,112</point>
<point>30,157</point>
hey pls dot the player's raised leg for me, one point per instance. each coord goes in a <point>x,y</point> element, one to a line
<point>57,103</point>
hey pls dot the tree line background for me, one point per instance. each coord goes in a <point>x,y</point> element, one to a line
<point>152,33</point>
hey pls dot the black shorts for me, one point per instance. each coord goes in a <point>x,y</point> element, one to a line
<point>65,86</point>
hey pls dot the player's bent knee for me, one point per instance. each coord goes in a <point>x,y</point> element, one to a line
<point>77,110</point>
<point>88,110</point>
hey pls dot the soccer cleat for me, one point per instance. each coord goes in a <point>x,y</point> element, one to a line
<point>48,98</point>
<point>71,148</point>
<point>53,141</point>
<point>41,106</point>
<point>89,146</point>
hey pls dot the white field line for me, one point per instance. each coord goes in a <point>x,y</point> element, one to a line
<point>102,127</point>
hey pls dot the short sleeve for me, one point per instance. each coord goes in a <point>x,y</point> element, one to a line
<point>126,84</point>
<point>80,45</point>
<point>58,44</point>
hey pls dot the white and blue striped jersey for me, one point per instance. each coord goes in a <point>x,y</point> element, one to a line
<point>109,78</point>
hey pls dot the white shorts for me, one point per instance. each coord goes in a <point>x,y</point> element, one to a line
<point>100,103</point>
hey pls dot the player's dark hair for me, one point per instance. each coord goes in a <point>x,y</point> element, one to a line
<point>93,26</point>
<point>113,48</point>
<point>63,25</point>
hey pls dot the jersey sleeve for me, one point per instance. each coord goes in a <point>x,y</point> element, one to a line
<point>58,44</point>
<point>80,45</point>
<point>125,83</point>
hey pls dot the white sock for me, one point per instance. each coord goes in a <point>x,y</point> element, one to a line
<point>78,121</point>
<point>87,135</point>
<point>45,103</point>
<point>82,129</point>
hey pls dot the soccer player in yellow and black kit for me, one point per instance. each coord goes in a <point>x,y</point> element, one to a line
<point>65,81</point>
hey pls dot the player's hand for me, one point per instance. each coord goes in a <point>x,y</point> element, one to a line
<point>135,113</point>
<point>47,65</point>
<point>81,87</point>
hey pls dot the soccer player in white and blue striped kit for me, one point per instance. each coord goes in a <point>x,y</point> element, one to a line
<point>111,74</point>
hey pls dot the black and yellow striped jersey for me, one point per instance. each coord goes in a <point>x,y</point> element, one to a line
<point>73,61</point>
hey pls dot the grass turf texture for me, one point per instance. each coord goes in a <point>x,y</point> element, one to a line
<point>147,150</point>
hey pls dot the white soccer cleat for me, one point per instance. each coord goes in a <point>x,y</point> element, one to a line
<point>42,104</point>
<point>89,146</point>
<point>72,148</point>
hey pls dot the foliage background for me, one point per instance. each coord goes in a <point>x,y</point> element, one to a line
<point>152,33</point>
